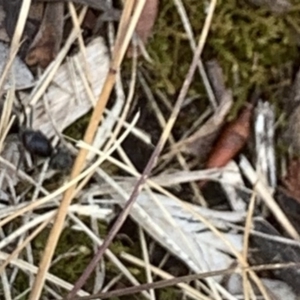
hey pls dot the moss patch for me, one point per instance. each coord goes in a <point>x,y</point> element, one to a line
<point>253,46</point>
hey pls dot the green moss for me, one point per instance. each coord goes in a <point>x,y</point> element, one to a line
<point>71,267</point>
<point>169,294</point>
<point>250,43</point>
<point>77,129</point>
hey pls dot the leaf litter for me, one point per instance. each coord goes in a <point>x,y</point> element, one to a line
<point>203,238</point>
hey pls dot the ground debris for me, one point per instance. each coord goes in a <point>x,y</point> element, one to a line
<point>46,44</point>
<point>200,143</point>
<point>267,250</point>
<point>289,205</point>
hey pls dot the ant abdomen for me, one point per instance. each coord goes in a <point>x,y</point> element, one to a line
<point>36,143</point>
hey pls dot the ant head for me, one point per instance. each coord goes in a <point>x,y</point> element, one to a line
<point>61,160</point>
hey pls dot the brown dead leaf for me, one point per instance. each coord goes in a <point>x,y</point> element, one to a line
<point>146,22</point>
<point>232,139</point>
<point>11,11</point>
<point>46,44</point>
<point>90,20</point>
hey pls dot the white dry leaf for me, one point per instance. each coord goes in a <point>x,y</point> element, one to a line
<point>20,76</point>
<point>92,210</point>
<point>173,225</point>
<point>67,95</point>
<point>264,142</point>
<point>176,225</point>
<point>231,180</point>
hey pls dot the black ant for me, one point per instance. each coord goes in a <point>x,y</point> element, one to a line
<point>38,145</point>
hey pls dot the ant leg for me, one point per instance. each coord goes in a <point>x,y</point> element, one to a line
<point>25,115</point>
<point>21,158</point>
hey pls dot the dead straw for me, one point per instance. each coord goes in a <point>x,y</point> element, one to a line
<point>152,161</point>
<point>122,43</point>
<point>187,278</point>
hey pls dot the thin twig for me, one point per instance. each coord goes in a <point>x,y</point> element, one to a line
<point>266,195</point>
<point>248,224</point>
<point>188,278</point>
<point>122,217</point>
<point>118,54</point>
<point>16,39</point>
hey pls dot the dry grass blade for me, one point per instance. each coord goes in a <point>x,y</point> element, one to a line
<point>265,194</point>
<point>50,72</point>
<point>79,163</point>
<point>84,174</point>
<point>146,22</point>
<point>33,269</point>
<point>16,39</point>
<point>197,143</point>
<point>188,29</point>
<point>248,224</point>
<point>118,54</point>
<point>6,121</point>
<point>188,290</point>
<point>147,261</point>
<point>156,152</point>
<point>181,237</point>
<point>198,197</point>
<point>59,191</point>
<point>156,285</point>
<point>15,253</point>
<point>179,280</point>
